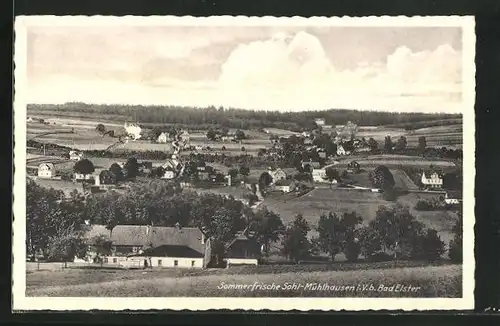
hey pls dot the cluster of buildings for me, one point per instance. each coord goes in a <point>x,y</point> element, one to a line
<point>144,246</point>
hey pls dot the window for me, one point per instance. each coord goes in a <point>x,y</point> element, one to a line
<point>176,263</point>
<point>159,262</point>
<point>105,259</point>
<point>192,263</point>
<point>115,260</point>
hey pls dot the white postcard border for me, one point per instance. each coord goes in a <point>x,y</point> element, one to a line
<point>21,302</point>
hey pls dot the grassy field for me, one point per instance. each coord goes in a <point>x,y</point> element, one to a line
<point>428,281</point>
<point>325,200</point>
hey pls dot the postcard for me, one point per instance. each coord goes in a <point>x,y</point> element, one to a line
<point>256,163</point>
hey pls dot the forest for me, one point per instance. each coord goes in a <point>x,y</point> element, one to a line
<point>239,118</point>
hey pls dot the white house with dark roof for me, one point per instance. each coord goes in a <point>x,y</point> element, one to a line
<point>46,171</point>
<point>432,179</point>
<point>277,174</point>
<point>157,246</point>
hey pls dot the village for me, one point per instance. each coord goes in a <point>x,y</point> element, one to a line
<point>327,158</point>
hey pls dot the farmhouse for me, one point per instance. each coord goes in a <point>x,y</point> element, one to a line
<point>75,155</point>
<point>168,174</point>
<point>319,175</point>
<point>319,122</point>
<point>152,246</point>
<point>46,170</point>
<point>353,167</point>
<point>82,176</point>
<point>284,186</point>
<point>155,246</point>
<point>228,138</point>
<point>432,179</point>
<point>243,250</point>
<point>277,174</point>
<point>162,138</point>
<point>341,151</point>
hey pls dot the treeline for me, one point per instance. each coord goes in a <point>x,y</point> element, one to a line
<point>56,226</point>
<point>238,118</point>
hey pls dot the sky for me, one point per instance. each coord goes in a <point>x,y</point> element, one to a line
<point>249,67</point>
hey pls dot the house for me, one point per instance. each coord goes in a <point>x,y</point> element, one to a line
<point>152,246</point>
<point>168,174</point>
<point>198,147</point>
<point>453,197</point>
<point>242,250</point>
<point>157,246</point>
<point>75,155</point>
<point>432,179</point>
<point>363,149</point>
<point>311,164</point>
<point>162,138</point>
<point>341,151</point>
<point>319,122</point>
<point>277,174</point>
<point>204,176</point>
<point>82,177</point>
<point>46,170</point>
<point>353,167</point>
<point>228,138</point>
<point>284,186</point>
<point>319,175</point>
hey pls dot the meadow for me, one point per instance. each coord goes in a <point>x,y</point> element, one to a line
<point>429,281</point>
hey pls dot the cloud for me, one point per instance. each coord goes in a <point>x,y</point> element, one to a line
<point>287,71</point>
<point>297,68</point>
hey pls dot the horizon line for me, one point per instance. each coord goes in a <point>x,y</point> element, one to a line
<point>217,107</point>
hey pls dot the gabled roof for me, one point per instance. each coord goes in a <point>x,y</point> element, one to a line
<point>138,235</point>
<point>51,166</point>
<point>172,251</point>
<point>429,172</point>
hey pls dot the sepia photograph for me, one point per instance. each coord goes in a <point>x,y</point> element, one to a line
<point>243,163</point>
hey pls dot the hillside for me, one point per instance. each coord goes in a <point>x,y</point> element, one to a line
<point>231,118</point>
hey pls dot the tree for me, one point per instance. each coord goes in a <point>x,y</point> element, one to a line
<point>233,173</point>
<point>157,172</point>
<point>401,143</point>
<point>84,166</point>
<point>337,234</point>
<point>295,244</point>
<point>332,174</point>
<point>244,170</point>
<point>396,232</point>
<point>211,134</point>
<point>101,246</point>
<point>373,144</point>
<point>388,144</point>
<point>382,178</point>
<point>131,168</point>
<point>422,145</point>
<point>66,244</point>
<point>107,177</point>
<point>117,171</point>
<point>268,227</point>
<point>265,180</point>
<point>455,251</point>
<point>239,135</point>
<point>100,128</point>
<point>432,246</point>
